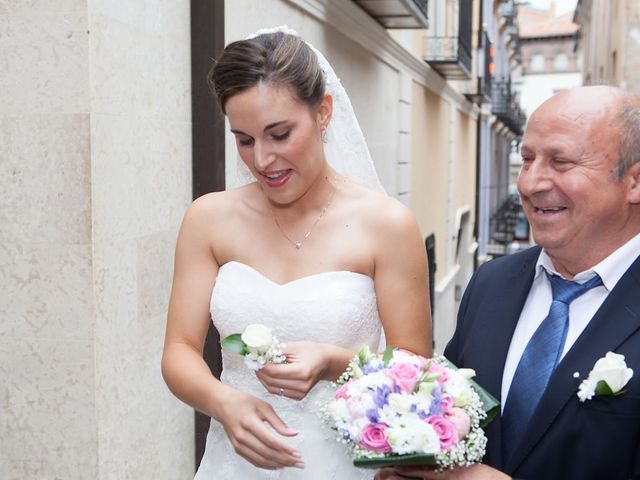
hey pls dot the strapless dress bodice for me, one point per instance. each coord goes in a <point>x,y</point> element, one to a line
<point>337,307</point>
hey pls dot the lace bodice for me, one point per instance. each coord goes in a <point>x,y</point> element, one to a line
<point>332,307</point>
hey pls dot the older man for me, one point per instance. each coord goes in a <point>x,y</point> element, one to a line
<point>533,324</point>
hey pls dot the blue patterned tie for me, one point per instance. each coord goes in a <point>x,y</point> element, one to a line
<point>539,359</point>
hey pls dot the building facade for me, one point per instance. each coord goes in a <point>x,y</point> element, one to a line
<point>610,42</point>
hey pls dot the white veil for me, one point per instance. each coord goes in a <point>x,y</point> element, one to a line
<point>345,148</point>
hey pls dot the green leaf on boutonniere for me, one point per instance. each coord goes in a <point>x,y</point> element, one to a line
<point>235,344</point>
<point>388,355</point>
<point>603,388</point>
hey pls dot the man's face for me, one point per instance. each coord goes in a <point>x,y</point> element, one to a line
<point>577,212</point>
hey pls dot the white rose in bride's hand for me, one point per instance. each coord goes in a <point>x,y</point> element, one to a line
<point>257,337</point>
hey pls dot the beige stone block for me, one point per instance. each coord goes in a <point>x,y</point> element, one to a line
<point>154,273</point>
<point>127,68</point>
<point>14,7</point>
<point>45,177</point>
<point>47,422</point>
<point>138,71</point>
<point>115,293</point>
<point>46,291</point>
<point>168,17</point>
<point>137,411</point>
<point>45,64</point>
<point>141,175</point>
<point>175,86</point>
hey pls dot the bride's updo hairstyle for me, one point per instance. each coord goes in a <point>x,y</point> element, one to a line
<point>277,59</point>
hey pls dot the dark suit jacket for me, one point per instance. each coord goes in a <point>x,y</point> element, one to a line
<point>566,439</point>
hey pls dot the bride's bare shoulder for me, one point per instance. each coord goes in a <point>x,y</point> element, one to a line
<point>219,205</point>
<point>382,213</point>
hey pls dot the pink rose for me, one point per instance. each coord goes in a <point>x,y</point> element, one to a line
<point>445,429</point>
<point>343,392</point>
<point>446,403</point>
<point>436,368</point>
<point>405,376</point>
<point>461,420</point>
<point>374,437</point>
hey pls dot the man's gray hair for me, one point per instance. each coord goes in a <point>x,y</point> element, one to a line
<point>629,150</point>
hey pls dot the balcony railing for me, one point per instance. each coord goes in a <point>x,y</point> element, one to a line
<point>482,87</point>
<point>450,55</point>
<point>397,13</point>
<point>503,225</point>
<point>506,106</point>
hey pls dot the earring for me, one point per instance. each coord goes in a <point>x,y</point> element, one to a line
<point>324,135</point>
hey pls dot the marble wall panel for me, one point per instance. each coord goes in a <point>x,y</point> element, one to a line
<point>176,80</point>
<point>46,55</point>
<point>141,174</point>
<point>14,7</point>
<point>138,413</point>
<point>45,170</point>
<point>126,68</point>
<point>46,291</point>
<point>166,17</point>
<point>154,273</point>
<point>48,425</point>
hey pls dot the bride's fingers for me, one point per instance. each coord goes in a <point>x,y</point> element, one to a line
<point>273,384</point>
<point>266,448</point>
<point>269,416</point>
<point>257,459</point>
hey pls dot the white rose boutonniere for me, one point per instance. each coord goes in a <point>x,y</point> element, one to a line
<point>609,376</point>
<point>257,344</point>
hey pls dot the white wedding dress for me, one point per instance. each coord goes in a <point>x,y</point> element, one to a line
<point>332,307</point>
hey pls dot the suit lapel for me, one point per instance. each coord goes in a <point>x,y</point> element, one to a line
<point>502,319</point>
<point>616,320</point>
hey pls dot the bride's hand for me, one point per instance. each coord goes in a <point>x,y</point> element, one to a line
<point>307,363</point>
<point>245,418</point>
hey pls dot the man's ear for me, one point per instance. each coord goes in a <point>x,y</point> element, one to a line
<point>633,177</point>
<point>325,110</point>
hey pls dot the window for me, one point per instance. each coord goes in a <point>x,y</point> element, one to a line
<point>561,62</point>
<point>537,62</point>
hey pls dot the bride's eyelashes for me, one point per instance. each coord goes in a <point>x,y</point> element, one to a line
<point>281,137</point>
<point>247,141</point>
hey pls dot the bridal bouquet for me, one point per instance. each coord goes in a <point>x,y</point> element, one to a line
<point>402,409</point>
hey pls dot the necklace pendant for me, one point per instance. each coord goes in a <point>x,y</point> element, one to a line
<point>298,245</point>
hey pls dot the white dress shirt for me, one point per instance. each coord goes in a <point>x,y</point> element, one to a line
<point>581,310</point>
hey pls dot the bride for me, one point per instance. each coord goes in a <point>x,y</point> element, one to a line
<point>309,246</point>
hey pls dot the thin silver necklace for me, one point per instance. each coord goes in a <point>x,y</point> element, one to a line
<point>299,244</point>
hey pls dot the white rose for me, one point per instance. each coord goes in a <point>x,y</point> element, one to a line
<point>400,403</point>
<point>257,337</point>
<point>459,388</point>
<point>613,370</point>
<point>410,434</point>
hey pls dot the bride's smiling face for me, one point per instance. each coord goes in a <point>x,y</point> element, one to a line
<point>279,139</point>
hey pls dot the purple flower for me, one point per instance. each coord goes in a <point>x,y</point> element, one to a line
<point>372,415</point>
<point>372,367</point>
<point>380,395</point>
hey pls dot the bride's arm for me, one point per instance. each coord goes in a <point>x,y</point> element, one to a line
<point>402,279</point>
<point>185,371</point>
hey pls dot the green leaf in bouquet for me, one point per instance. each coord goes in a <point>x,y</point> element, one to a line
<point>235,344</point>
<point>388,355</point>
<point>413,460</point>
<point>490,404</point>
<point>364,355</point>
